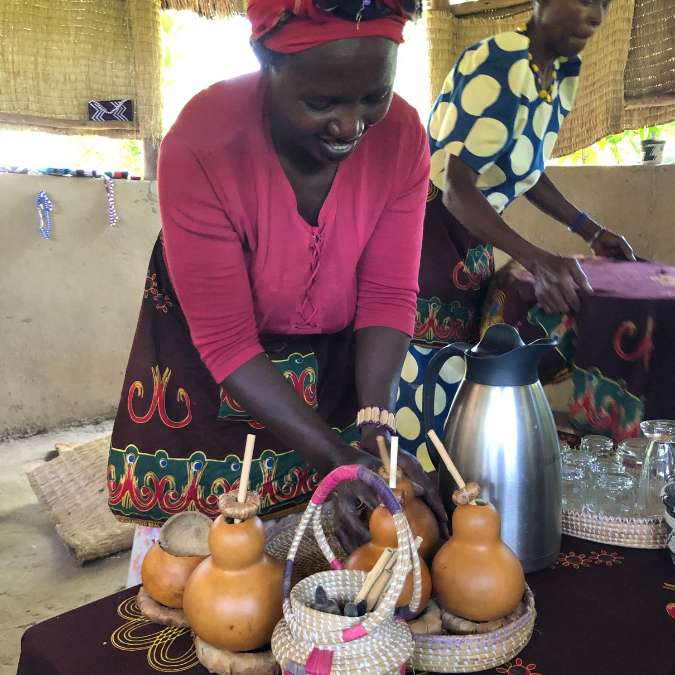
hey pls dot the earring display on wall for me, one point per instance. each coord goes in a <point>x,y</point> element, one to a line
<point>45,206</point>
<point>110,196</point>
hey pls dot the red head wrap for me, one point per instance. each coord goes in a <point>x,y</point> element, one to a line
<point>300,24</point>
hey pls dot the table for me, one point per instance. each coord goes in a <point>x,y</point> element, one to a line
<point>619,348</point>
<point>601,610</point>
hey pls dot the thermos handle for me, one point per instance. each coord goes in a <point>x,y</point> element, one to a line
<point>429,388</point>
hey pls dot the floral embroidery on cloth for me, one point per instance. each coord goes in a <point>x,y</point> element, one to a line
<point>158,296</point>
<point>582,560</point>
<point>518,667</point>
<point>301,372</point>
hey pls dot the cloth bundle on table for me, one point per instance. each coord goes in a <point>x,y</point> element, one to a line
<point>619,349</point>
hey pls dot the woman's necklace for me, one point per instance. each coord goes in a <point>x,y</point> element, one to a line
<point>545,93</point>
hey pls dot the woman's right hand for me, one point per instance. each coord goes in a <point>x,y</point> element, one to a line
<point>354,501</point>
<point>557,282</point>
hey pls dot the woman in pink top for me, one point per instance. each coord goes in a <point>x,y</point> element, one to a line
<point>292,203</point>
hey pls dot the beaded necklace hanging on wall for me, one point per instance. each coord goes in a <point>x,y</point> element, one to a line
<point>545,93</point>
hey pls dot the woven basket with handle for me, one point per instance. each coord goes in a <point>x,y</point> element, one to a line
<point>310,641</point>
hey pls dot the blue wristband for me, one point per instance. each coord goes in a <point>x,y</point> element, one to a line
<point>580,219</point>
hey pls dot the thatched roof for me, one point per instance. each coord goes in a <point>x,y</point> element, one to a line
<point>208,8</point>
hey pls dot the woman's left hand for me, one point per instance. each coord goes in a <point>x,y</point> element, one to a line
<point>425,488</point>
<point>612,245</point>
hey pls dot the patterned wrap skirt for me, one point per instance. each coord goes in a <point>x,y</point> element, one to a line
<point>179,437</point>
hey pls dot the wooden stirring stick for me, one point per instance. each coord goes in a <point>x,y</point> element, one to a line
<point>449,464</point>
<point>382,448</point>
<point>245,470</point>
<point>390,464</point>
<point>393,462</point>
<point>374,574</point>
<point>380,586</point>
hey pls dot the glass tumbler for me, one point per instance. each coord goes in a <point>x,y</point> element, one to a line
<point>616,494</point>
<point>573,487</point>
<point>575,470</point>
<point>631,452</point>
<point>601,449</point>
<point>659,464</point>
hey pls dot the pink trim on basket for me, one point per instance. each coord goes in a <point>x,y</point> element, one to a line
<point>334,478</point>
<point>401,670</point>
<point>319,662</point>
<point>354,633</point>
<point>336,564</point>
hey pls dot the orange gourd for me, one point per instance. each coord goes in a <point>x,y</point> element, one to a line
<point>164,575</point>
<point>383,534</point>
<point>420,517</point>
<point>233,599</point>
<point>475,575</point>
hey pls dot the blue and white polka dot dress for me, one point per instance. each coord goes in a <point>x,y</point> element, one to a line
<point>409,421</point>
<point>490,115</point>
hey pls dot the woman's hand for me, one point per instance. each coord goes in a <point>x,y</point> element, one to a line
<point>424,486</point>
<point>557,282</point>
<point>608,244</point>
<point>353,502</point>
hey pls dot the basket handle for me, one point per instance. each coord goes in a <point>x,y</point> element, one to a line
<point>342,474</point>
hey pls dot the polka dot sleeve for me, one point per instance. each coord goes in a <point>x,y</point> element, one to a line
<point>477,112</point>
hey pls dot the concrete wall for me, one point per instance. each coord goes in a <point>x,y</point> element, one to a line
<point>637,201</point>
<point>68,307</point>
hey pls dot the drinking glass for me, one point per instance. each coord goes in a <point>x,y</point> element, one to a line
<point>659,464</point>
<point>573,487</point>
<point>615,494</point>
<point>575,474</point>
<point>601,449</point>
<point>632,453</point>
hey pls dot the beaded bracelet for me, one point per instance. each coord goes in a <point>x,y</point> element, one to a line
<point>573,227</point>
<point>380,417</point>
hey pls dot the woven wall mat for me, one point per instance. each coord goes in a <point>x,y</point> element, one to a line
<point>649,533</point>
<point>59,54</point>
<point>72,487</point>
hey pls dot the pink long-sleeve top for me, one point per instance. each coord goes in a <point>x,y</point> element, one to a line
<point>244,262</point>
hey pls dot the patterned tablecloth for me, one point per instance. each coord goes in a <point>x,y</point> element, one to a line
<point>600,610</point>
<point>619,348</point>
